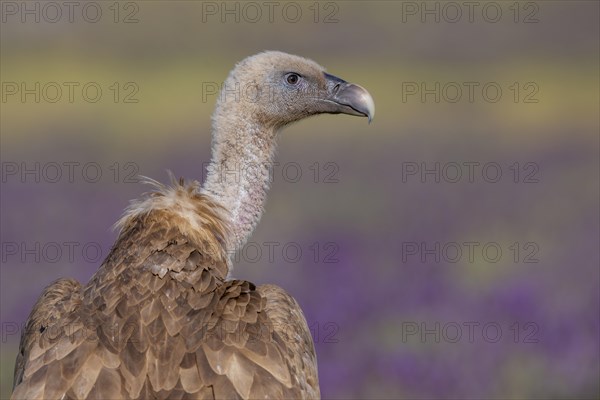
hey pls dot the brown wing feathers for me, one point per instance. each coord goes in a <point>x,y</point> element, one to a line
<point>45,322</point>
<point>160,320</point>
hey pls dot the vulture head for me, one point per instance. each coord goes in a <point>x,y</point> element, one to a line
<point>261,95</point>
<point>275,89</point>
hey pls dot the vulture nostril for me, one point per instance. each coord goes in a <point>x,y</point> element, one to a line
<point>336,88</point>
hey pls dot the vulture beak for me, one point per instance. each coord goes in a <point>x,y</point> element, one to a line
<point>348,98</point>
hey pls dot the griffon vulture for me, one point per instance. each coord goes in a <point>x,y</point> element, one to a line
<point>161,318</point>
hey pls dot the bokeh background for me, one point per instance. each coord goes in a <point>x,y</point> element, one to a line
<point>387,323</point>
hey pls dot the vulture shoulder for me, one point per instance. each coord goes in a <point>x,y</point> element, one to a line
<point>160,320</point>
<point>289,323</point>
<point>55,305</point>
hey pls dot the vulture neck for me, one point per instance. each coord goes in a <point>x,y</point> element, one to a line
<point>238,176</point>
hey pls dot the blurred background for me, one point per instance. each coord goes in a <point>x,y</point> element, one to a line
<point>448,250</point>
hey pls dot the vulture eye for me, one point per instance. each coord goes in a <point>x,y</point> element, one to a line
<point>292,78</point>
